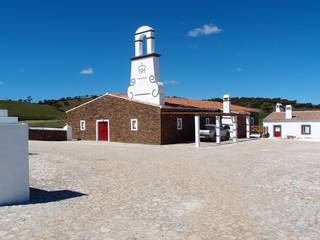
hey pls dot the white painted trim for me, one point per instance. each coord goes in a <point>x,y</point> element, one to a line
<point>47,129</point>
<point>86,103</point>
<point>132,120</point>
<point>97,128</point>
<point>179,128</point>
<point>84,125</point>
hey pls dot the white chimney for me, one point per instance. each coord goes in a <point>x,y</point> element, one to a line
<point>288,112</point>
<point>226,104</point>
<point>279,107</point>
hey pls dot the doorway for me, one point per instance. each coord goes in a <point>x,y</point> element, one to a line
<point>277,131</point>
<point>102,130</point>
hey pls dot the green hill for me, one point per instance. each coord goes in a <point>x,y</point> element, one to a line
<point>32,111</point>
<point>46,113</point>
<point>51,113</point>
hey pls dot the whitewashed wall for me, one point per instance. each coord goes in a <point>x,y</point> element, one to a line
<point>14,166</point>
<point>294,129</point>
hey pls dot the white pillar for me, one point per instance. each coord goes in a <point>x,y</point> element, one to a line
<point>248,126</point>
<point>14,162</point>
<point>235,128</point>
<point>197,130</point>
<point>138,47</point>
<point>150,45</point>
<point>69,132</point>
<point>218,136</point>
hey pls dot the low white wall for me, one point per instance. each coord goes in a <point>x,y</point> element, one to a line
<point>294,129</point>
<point>14,165</point>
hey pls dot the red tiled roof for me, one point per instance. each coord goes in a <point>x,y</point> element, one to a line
<point>175,102</point>
<point>296,116</point>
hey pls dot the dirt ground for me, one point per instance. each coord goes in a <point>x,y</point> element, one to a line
<point>262,189</point>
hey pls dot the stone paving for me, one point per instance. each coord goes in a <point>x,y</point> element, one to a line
<point>263,189</point>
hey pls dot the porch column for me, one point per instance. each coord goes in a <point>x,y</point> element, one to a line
<point>197,130</point>
<point>235,128</point>
<point>218,124</point>
<point>248,126</point>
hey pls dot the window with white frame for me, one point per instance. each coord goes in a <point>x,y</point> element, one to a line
<point>305,129</point>
<point>207,120</point>
<point>134,124</point>
<point>179,123</point>
<point>82,125</point>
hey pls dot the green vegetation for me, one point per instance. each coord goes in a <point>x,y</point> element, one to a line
<point>51,113</point>
<point>46,113</point>
<point>32,111</point>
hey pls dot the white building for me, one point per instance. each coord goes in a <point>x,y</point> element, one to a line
<point>14,164</point>
<point>286,123</point>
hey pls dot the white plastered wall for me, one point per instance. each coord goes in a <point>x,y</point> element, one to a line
<point>294,129</point>
<point>14,165</point>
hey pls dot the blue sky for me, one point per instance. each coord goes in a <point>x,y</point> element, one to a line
<point>53,49</point>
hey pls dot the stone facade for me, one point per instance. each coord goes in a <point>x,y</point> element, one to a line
<point>155,125</point>
<point>47,135</point>
<point>119,112</point>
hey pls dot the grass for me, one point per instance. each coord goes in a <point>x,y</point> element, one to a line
<point>46,123</point>
<point>32,111</point>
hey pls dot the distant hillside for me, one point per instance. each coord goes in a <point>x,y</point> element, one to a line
<point>46,113</point>
<point>32,111</point>
<point>51,112</point>
<point>268,104</point>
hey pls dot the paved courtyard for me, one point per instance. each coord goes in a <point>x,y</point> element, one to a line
<point>263,189</point>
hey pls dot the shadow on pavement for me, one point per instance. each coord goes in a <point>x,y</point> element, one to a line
<point>42,196</point>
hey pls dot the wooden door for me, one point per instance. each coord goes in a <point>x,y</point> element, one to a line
<point>103,131</point>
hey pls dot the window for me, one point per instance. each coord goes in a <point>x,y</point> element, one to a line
<point>134,124</point>
<point>207,120</point>
<point>179,123</point>
<point>305,129</point>
<point>82,125</point>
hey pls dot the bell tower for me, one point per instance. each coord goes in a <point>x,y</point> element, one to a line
<point>145,82</point>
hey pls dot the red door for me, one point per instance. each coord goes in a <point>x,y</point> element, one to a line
<point>277,131</point>
<point>103,131</point>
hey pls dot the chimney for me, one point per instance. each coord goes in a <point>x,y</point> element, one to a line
<point>226,104</point>
<point>288,112</point>
<point>279,107</point>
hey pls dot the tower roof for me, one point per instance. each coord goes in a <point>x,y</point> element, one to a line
<point>144,29</point>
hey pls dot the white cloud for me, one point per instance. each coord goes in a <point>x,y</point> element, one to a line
<point>239,69</point>
<point>87,71</point>
<point>171,82</point>
<point>206,29</point>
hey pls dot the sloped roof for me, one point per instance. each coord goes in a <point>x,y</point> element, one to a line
<point>183,103</point>
<point>296,116</point>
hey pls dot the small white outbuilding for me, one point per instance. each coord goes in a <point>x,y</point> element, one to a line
<point>14,165</point>
<point>286,123</point>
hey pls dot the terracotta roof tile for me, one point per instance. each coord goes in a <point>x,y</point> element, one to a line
<point>176,102</point>
<point>296,116</point>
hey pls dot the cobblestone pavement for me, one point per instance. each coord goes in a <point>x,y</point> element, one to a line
<point>264,189</point>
